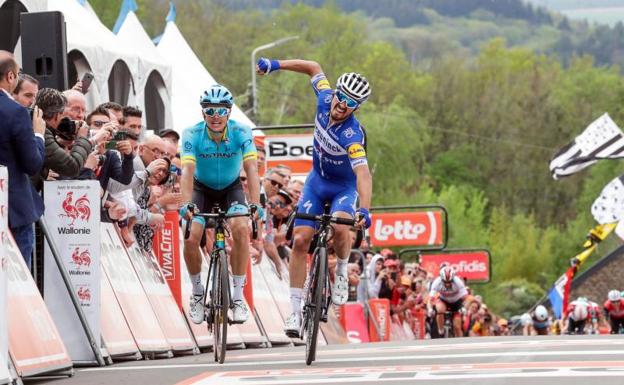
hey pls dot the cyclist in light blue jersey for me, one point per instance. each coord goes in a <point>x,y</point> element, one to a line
<point>213,152</point>
<point>339,176</point>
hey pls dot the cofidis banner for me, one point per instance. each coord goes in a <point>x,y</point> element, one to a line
<point>73,216</point>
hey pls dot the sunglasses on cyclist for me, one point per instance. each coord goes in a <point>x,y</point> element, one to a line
<point>221,111</point>
<point>351,103</point>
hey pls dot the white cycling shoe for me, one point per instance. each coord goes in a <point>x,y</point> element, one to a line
<point>340,291</point>
<point>196,310</point>
<point>293,326</point>
<point>240,313</point>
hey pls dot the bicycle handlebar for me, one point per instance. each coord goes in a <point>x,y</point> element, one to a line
<point>321,218</point>
<point>254,224</point>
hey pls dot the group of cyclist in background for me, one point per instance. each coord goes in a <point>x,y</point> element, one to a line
<point>582,316</point>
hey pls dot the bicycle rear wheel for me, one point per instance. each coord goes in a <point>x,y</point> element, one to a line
<point>221,305</point>
<point>314,302</point>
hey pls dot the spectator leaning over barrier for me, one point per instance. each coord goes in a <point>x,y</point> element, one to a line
<point>60,129</point>
<point>109,165</point>
<point>22,152</point>
<point>26,90</point>
<point>76,107</point>
<point>151,148</point>
<point>279,207</point>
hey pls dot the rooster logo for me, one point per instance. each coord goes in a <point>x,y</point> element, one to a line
<point>78,210</point>
<point>80,259</point>
<point>84,294</point>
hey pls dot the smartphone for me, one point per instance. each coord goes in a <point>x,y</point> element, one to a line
<point>87,78</point>
<point>393,275</point>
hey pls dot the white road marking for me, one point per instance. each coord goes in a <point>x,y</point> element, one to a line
<point>550,353</point>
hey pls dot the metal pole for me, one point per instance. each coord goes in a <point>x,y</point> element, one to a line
<point>253,68</point>
<point>83,320</point>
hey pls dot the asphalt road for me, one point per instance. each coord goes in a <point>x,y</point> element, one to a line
<point>569,360</point>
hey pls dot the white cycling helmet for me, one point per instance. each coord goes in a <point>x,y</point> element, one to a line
<point>354,85</point>
<point>541,313</point>
<point>580,311</point>
<point>614,295</point>
<point>525,319</point>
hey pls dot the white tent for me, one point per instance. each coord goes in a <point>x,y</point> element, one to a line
<point>190,78</point>
<point>153,80</point>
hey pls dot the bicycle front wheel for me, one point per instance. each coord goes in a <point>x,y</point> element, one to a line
<point>314,302</point>
<point>221,303</point>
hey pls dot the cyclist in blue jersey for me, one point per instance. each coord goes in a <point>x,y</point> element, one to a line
<point>212,153</point>
<point>339,176</point>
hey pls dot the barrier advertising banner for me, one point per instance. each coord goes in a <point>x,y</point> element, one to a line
<point>420,228</point>
<point>353,320</point>
<point>34,341</point>
<point>380,308</point>
<point>166,309</point>
<point>473,265</point>
<point>73,216</point>
<point>167,251</point>
<point>4,229</point>
<point>267,310</point>
<point>132,299</point>
<point>115,330</point>
<point>292,150</point>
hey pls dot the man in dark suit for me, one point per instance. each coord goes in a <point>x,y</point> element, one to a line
<point>22,152</point>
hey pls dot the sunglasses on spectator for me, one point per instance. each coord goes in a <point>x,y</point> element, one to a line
<point>279,204</point>
<point>276,183</point>
<point>344,98</point>
<point>99,123</point>
<point>211,111</point>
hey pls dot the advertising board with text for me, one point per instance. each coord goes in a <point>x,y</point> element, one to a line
<point>292,150</point>
<point>473,265</point>
<point>426,229</point>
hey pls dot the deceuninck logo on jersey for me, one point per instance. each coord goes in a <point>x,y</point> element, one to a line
<point>294,151</point>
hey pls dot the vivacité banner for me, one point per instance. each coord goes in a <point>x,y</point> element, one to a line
<point>73,217</point>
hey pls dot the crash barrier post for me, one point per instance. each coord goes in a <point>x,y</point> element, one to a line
<point>167,251</point>
<point>379,319</point>
<point>130,295</point>
<point>35,345</point>
<point>70,226</point>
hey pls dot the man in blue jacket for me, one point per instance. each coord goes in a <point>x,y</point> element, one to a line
<point>22,152</point>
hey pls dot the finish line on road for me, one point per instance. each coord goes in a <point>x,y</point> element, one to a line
<point>413,372</point>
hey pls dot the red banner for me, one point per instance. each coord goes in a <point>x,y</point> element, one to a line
<point>471,265</point>
<point>421,228</point>
<point>167,251</point>
<point>380,307</point>
<point>354,323</point>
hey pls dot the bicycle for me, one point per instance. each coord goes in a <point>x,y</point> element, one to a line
<point>218,278</point>
<point>317,290</point>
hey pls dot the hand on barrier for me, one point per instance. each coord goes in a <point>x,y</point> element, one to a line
<point>156,221</point>
<point>266,66</point>
<point>363,218</point>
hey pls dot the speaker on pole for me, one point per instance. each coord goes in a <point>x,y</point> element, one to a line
<point>44,48</point>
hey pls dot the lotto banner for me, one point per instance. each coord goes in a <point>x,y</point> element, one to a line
<point>34,341</point>
<point>426,229</point>
<point>4,228</point>
<point>167,251</point>
<point>473,265</point>
<point>73,217</point>
<point>293,150</point>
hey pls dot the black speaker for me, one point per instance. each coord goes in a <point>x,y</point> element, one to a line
<point>44,48</point>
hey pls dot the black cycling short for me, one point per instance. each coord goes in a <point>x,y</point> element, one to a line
<point>454,307</point>
<point>206,198</point>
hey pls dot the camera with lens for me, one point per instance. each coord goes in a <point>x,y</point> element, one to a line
<point>67,129</point>
<point>101,160</point>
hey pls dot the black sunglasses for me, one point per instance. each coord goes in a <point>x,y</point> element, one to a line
<point>276,183</point>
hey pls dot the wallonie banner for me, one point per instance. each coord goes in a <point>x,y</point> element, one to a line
<point>73,216</point>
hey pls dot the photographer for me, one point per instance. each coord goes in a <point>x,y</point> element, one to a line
<point>388,278</point>
<point>65,163</point>
<point>108,164</point>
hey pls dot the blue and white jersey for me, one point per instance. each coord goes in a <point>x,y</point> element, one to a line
<point>338,148</point>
